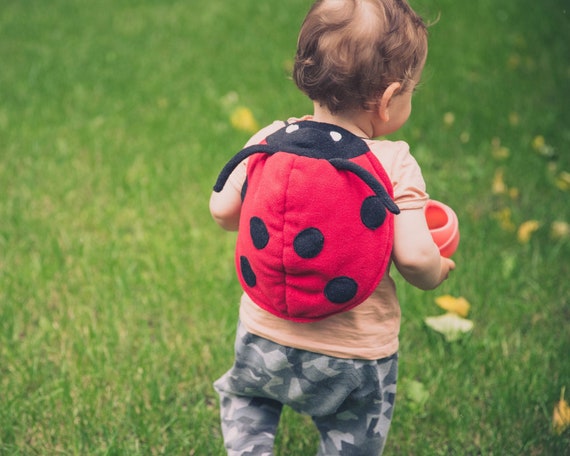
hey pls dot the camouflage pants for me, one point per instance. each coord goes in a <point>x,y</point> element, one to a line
<point>350,401</point>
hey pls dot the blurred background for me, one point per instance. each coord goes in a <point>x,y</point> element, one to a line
<point>118,297</point>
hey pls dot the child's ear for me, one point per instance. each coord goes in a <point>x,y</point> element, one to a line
<point>384,105</point>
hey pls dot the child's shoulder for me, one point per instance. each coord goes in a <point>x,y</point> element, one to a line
<point>396,158</point>
<point>272,128</point>
<point>265,132</point>
<point>385,147</point>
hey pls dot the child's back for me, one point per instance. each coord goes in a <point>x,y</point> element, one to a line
<point>359,62</point>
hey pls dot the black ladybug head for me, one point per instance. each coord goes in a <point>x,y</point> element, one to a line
<point>318,140</point>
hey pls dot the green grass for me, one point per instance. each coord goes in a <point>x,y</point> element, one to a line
<point>118,299</point>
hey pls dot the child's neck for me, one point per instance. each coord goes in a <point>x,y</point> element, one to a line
<point>357,122</point>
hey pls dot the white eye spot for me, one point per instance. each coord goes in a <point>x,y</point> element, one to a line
<point>292,128</point>
<point>336,136</point>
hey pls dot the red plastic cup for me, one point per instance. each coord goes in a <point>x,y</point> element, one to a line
<point>443,226</point>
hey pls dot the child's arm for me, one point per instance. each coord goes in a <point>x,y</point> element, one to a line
<point>225,206</point>
<point>415,254</point>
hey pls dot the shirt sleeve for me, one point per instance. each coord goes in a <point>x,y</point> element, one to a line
<point>405,174</point>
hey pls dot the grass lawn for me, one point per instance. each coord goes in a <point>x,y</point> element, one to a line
<point>118,299</point>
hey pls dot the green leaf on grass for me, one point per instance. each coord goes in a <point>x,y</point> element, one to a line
<point>416,394</point>
<point>451,325</point>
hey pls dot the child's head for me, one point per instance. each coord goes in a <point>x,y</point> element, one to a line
<point>350,51</point>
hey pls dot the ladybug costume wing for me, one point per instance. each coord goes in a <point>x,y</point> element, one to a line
<point>316,225</point>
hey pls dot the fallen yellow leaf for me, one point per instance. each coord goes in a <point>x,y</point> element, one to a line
<point>559,230</point>
<point>499,151</point>
<point>542,148</point>
<point>514,193</point>
<point>504,217</point>
<point>448,119</point>
<point>451,325</point>
<point>561,415</point>
<point>242,119</point>
<point>563,181</point>
<point>538,143</point>
<point>526,229</point>
<point>499,185</point>
<point>459,306</point>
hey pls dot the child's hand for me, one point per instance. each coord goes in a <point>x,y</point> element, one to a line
<point>447,265</point>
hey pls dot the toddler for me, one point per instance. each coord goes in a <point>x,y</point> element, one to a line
<point>359,62</point>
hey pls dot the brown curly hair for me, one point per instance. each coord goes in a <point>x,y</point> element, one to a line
<point>350,51</point>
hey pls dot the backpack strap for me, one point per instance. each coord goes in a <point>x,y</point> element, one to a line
<point>237,159</point>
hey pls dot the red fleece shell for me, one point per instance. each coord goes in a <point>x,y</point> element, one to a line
<point>316,225</point>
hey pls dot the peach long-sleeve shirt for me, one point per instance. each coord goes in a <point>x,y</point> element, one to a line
<point>369,331</point>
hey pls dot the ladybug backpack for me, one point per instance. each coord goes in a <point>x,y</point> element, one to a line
<point>317,221</point>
